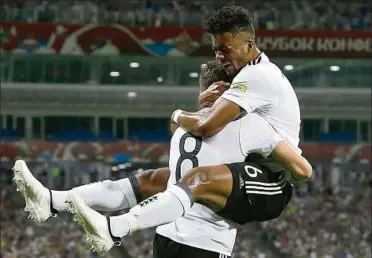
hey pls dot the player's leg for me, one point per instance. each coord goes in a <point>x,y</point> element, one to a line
<point>211,186</point>
<point>120,194</point>
<point>261,191</point>
<point>223,188</point>
<point>208,185</point>
<point>108,195</point>
<point>151,182</point>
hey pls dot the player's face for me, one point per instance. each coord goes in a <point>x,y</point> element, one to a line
<point>232,50</point>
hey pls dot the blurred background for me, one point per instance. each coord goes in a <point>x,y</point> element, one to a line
<point>88,87</point>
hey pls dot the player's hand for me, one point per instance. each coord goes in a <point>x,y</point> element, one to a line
<point>210,95</point>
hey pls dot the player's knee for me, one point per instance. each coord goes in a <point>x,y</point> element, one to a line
<point>209,185</point>
<point>160,177</point>
<point>144,176</point>
<point>152,181</point>
<point>155,177</point>
<point>197,178</point>
<point>206,176</point>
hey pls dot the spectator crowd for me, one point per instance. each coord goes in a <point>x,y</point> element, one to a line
<point>315,225</point>
<point>21,238</point>
<point>268,14</point>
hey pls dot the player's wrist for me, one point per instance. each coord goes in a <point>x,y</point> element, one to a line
<point>176,114</point>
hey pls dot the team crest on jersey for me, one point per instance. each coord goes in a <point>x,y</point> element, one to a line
<point>239,86</point>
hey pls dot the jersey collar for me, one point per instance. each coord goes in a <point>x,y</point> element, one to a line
<point>261,56</point>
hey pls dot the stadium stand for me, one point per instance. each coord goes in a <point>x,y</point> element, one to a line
<point>267,14</point>
<point>314,225</point>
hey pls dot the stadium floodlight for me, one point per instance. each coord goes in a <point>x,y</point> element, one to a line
<point>132,94</point>
<point>334,68</point>
<point>194,75</point>
<point>288,67</point>
<point>114,74</point>
<point>134,65</point>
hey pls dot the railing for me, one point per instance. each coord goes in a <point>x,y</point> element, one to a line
<point>68,174</point>
<point>144,70</point>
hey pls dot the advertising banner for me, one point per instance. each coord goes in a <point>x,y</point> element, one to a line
<point>119,39</point>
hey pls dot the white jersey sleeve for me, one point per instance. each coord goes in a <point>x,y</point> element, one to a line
<point>261,88</point>
<point>251,91</point>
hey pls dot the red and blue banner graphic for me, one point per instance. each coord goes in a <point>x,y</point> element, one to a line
<point>117,39</point>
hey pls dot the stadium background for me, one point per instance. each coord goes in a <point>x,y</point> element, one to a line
<point>87,85</point>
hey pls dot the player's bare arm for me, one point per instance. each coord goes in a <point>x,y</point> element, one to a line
<point>211,121</point>
<point>299,167</point>
<point>207,124</point>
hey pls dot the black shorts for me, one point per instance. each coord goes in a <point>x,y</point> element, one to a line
<point>259,193</point>
<point>164,247</point>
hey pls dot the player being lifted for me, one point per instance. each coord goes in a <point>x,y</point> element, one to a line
<point>295,162</point>
<point>237,191</point>
<point>117,195</point>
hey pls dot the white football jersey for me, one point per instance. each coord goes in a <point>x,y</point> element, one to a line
<point>201,227</point>
<point>262,88</point>
<point>273,115</point>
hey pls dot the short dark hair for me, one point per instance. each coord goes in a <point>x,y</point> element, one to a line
<point>211,72</point>
<point>230,19</point>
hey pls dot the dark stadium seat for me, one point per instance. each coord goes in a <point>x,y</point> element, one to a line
<point>9,134</point>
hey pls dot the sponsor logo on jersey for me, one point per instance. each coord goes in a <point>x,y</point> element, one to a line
<point>239,86</point>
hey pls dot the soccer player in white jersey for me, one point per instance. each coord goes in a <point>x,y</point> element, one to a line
<point>259,89</point>
<point>127,192</point>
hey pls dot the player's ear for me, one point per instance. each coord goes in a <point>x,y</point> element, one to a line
<point>250,45</point>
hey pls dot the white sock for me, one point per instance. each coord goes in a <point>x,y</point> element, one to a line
<point>59,200</point>
<point>157,210</point>
<point>102,196</point>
